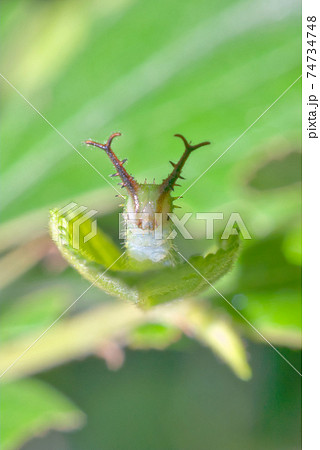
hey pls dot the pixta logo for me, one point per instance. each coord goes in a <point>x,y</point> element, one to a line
<point>160,226</point>
<point>76,215</point>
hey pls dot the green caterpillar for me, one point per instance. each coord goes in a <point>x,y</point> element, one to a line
<point>147,206</point>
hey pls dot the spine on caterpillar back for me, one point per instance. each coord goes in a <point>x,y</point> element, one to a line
<point>145,216</point>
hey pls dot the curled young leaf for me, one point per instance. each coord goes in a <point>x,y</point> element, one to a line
<point>103,264</point>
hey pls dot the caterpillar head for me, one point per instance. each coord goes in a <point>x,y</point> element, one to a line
<point>146,206</point>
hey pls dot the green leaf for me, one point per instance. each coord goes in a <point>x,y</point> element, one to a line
<point>123,324</point>
<point>100,262</point>
<point>159,86</point>
<point>32,313</point>
<point>182,280</point>
<point>277,315</point>
<point>69,338</point>
<point>276,171</point>
<point>218,334</point>
<point>69,234</point>
<point>267,288</point>
<point>153,335</point>
<point>30,407</point>
<point>96,261</point>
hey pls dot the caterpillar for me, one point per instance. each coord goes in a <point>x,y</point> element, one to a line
<point>147,206</point>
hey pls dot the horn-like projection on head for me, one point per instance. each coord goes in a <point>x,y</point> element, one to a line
<point>170,182</point>
<point>127,180</point>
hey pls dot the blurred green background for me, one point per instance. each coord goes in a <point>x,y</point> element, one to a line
<point>205,69</point>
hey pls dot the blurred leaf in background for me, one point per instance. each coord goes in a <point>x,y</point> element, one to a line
<point>31,408</point>
<point>208,70</point>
